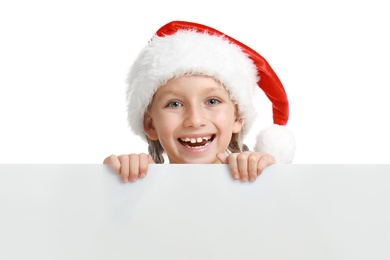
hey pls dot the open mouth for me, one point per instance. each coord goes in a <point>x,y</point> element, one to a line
<point>196,143</point>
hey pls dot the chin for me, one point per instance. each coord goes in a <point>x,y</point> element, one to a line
<point>202,161</point>
<point>197,161</point>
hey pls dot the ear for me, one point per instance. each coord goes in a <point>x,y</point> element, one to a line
<point>238,123</point>
<point>149,129</point>
<point>237,126</point>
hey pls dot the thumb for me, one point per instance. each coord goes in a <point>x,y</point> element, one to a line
<point>150,159</point>
<point>223,158</point>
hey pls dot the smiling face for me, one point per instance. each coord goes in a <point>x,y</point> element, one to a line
<point>193,118</point>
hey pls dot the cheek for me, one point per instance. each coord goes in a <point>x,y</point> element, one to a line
<point>225,117</point>
<point>164,122</point>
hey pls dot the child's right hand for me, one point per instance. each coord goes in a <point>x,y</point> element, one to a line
<point>130,167</point>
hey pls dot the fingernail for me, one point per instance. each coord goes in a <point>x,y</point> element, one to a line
<point>236,177</point>
<point>141,175</point>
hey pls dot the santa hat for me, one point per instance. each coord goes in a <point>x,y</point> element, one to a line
<point>179,48</point>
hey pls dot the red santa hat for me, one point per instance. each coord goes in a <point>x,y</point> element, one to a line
<point>179,48</point>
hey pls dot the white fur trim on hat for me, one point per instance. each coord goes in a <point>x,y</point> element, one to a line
<point>278,141</point>
<point>185,52</point>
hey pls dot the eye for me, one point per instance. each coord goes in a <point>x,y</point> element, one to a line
<point>174,104</point>
<point>212,101</point>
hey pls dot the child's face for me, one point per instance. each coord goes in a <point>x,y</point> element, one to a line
<point>194,118</point>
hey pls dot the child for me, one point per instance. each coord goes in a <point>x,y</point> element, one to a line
<point>190,96</point>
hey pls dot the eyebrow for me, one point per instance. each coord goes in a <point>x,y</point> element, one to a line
<point>207,90</point>
<point>216,89</point>
<point>162,94</point>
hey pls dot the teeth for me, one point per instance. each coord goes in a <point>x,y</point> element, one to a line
<point>196,140</point>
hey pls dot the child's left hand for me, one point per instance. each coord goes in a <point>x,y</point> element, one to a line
<point>246,166</point>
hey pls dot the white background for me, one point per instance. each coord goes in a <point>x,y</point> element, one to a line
<point>63,66</point>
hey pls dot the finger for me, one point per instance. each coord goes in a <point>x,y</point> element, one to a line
<point>264,161</point>
<point>253,164</point>
<point>124,167</point>
<point>223,158</point>
<point>150,159</point>
<point>133,167</point>
<point>242,160</point>
<point>143,165</point>
<point>232,160</point>
<point>114,163</point>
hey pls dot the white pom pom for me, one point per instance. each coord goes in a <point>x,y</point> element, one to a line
<point>278,141</point>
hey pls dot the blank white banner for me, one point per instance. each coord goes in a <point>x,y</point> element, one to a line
<point>195,212</point>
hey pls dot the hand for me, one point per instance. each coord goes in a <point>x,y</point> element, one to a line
<point>246,165</point>
<point>130,167</point>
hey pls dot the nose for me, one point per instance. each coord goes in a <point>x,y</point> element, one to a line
<point>195,117</point>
